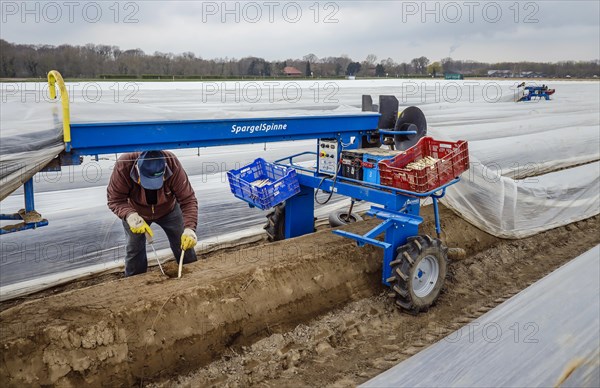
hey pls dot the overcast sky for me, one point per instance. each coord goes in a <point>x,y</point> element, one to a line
<point>478,30</point>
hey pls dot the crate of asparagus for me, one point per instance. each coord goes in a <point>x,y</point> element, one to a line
<point>426,166</point>
<point>263,184</point>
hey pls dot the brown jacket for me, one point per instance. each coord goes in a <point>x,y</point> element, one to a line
<point>126,196</point>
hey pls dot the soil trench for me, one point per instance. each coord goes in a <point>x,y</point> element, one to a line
<point>150,328</point>
<point>352,344</point>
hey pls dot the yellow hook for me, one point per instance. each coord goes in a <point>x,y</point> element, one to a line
<point>55,77</point>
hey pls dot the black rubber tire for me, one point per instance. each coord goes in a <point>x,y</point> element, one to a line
<point>404,267</point>
<point>275,226</point>
<point>339,218</point>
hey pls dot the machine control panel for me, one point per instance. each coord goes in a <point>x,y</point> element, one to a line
<point>328,156</point>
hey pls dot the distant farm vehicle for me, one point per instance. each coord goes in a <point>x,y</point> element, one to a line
<point>532,92</point>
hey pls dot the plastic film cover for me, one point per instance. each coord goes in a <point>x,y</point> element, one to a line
<point>545,336</point>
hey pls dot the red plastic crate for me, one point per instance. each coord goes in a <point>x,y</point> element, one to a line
<point>453,160</point>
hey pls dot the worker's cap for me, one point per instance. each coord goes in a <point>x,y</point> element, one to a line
<point>151,169</point>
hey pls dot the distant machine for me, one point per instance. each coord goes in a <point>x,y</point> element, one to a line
<point>531,92</point>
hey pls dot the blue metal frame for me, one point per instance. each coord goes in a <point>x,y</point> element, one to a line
<point>108,138</point>
<point>400,211</point>
<point>400,214</point>
<point>397,227</point>
<point>29,206</point>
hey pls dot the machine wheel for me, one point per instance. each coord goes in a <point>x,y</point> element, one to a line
<point>413,119</point>
<point>275,226</point>
<point>418,273</point>
<point>340,217</point>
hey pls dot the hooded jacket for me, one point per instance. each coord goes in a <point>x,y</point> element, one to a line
<point>125,195</point>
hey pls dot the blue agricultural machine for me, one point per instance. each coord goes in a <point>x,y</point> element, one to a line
<point>533,92</point>
<point>350,161</point>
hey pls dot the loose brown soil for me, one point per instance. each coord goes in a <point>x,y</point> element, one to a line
<point>314,304</point>
<point>353,344</point>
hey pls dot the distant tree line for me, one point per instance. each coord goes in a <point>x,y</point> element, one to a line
<point>98,61</point>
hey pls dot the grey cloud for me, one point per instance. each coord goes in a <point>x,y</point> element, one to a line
<point>565,30</point>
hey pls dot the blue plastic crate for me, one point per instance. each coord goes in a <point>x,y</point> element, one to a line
<point>371,163</point>
<point>283,183</point>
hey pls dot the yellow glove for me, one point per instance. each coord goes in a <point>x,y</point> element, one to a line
<point>138,225</point>
<point>188,239</point>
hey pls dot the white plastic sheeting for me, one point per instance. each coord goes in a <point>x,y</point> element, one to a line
<point>545,336</point>
<point>31,136</point>
<point>513,188</point>
<point>511,208</point>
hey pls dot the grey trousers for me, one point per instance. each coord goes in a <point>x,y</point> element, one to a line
<point>136,260</point>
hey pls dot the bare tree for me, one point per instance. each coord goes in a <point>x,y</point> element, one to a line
<point>371,59</point>
<point>96,60</point>
<point>420,64</point>
<point>312,58</point>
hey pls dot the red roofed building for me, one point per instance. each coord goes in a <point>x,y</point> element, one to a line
<point>291,71</point>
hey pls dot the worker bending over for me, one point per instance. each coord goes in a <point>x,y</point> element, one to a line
<point>152,187</point>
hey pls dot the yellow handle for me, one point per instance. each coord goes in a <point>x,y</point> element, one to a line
<point>55,77</point>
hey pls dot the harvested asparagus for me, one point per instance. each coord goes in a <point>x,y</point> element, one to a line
<point>260,182</point>
<point>180,269</point>
<point>421,164</point>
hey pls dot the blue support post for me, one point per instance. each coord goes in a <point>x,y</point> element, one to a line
<point>28,188</point>
<point>438,227</point>
<point>300,213</point>
<point>395,236</point>
<point>436,212</point>
<point>404,226</point>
